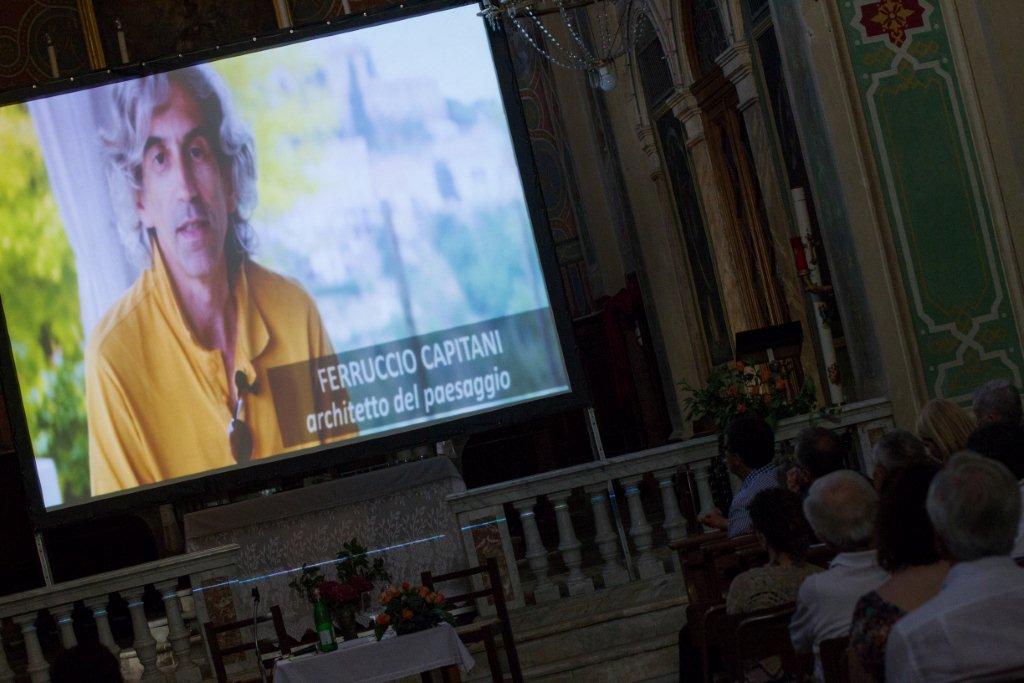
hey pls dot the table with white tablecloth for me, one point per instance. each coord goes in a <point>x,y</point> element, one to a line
<point>367,661</point>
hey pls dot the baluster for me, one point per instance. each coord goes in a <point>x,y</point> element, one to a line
<point>647,565</point>
<point>675,523</point>
<point>6,673</point>
<point>702,474</point>
<point>99,606</point>
<point>569,545</point>
<point>536,553</point>
<point>606,539</point>
<point>185,669</point>
<point>144,643</point>
<point>38,669</point>
<point>66,625</point>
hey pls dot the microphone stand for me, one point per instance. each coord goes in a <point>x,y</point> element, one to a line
<point>256,634</point>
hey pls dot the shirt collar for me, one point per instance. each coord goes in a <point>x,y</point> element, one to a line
<point>253,336</point>
<point>962,571</point>
<point>859,559</point>
<point>759,472</point>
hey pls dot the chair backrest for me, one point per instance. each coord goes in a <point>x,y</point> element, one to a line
<point>494,590</point>
<point>218,652</point>
<point>760,635</point>
<point>699,555</point>
<point>834,664</point>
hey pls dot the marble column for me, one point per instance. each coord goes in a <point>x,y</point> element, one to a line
<point>606,538</point>
<point>38,669</point>
<point>99,606</point>
<point>536,554</point>
<point>675,523</point>
<point>6,673</point>
<point>702,475</point>
<point>65,624</point>
<point>569,546</point>
<point>185,670</point>
<point>144,643</point>
<point>647,564</point>
<point>737,65</point>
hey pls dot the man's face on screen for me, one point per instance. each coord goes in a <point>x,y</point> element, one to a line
<point>184,194</point>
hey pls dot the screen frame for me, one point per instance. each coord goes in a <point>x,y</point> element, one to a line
<point>220,482</point>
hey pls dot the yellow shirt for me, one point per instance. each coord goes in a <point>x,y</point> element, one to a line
<point>158,403</point>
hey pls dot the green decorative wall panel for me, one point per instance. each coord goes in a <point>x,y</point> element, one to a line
<point>943,232</point>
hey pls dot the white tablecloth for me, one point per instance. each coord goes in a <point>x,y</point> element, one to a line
<point>367,661</point>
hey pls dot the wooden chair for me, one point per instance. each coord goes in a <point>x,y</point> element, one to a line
<point>484,630</point>
<point>757,636</point>
<point>735,641</point>
<point>219,652</point>
<point>834,663</point>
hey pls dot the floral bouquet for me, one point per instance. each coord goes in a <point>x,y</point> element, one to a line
<point>344,598</point>
<point>737,389</point>
<point>409,609</point>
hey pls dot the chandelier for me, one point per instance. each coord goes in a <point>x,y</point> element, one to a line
<point>593,39</point>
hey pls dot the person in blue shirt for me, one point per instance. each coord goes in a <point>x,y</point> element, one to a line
<point>749,452</point>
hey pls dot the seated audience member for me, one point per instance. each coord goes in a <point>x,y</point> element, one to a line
<point>997,401</point>
<point>818,452</point>
<point>87,662</point>
<point>897,448</point>
<point>749,451</point>
<point>841,508</point>
<point>778,521</point>
<point>1004,442</point>
<point>906,549</point>
<point>944,426</point>
<point>972,629</point>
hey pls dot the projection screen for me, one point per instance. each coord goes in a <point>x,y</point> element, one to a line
<point>272,255</point>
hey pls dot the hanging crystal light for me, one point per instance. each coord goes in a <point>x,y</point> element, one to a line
<point>616,28</point>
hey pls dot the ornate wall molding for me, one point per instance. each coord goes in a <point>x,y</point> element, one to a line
<point>942,228</point>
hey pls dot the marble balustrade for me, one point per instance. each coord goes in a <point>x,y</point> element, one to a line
<point>95,592</point>
<point>627,551</point>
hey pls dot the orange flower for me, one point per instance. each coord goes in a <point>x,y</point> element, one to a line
<point>741,408</point>
<point>383,619</point>
<point>780,384</point>
<point>739,365</point>
<point>386,597</point>
<point>732,392</point>
<point>405,585</point>
<point>424,592</point>
<point>438,599</point>
<point>407,614</point>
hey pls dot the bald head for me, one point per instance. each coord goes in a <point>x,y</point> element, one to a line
<point>841,508</point>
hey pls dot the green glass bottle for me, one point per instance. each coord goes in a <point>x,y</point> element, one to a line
<point>324,626</point>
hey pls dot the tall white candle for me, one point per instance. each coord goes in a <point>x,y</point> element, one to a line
<point>283,12</point>
<point>51,52</point>
<point>122,44</point>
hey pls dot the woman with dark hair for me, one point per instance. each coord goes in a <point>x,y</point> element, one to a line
<point>906,549</point>
<point>778,521</point>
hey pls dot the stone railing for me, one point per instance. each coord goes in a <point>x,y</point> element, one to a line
<point>208,568</point>
<point>627,551</point>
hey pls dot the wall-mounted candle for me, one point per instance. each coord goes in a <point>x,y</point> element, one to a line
<point>122,44</point>
<point>51,52</point>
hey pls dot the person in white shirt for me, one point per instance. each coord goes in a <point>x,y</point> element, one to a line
<point>973,628</point>
<point>841,508</point>
<point>1002,442</point>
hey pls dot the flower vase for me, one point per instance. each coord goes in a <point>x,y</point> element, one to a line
<point>345,624</point>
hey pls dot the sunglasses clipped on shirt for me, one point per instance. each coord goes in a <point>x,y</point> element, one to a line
<point>239,433</point>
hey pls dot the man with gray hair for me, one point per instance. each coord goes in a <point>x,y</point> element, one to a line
<point>997,401</point>
<point>895,449</point>
<point>841,508</point>
<point>176,371</point>
<point>972,629</point>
